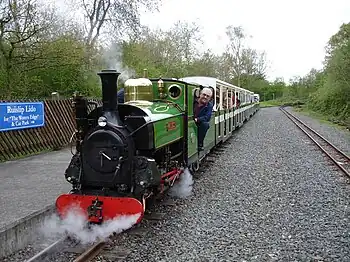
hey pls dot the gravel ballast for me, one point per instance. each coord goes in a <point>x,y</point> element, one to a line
<point>271,196</point>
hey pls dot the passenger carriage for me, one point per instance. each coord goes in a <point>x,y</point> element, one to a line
<point>227,114</point>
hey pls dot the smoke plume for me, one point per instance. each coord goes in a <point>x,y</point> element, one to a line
<point>113,57</point>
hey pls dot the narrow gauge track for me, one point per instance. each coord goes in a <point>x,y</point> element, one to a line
<point>53,247</point>
<point>91,252</point>
<point>340,159</point>
<point>86,253</point>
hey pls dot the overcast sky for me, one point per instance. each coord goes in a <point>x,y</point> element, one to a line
<point>293,33</point>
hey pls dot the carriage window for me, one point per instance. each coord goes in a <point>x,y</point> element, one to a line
<point>217,98</point>
<point>230,99</point>
<point>224,99</point>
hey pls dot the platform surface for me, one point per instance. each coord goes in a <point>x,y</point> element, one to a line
<point>31,184</point>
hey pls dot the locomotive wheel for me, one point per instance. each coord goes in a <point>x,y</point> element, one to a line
<point>150,202</point>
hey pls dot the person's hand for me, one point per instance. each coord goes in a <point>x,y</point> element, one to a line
<point>196,120</point>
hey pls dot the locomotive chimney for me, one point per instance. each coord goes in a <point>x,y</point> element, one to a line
<point>109,79</point>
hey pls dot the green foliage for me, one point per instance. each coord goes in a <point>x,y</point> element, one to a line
<point>57,67</point>
<point>41,53</point>
<point>332,87</point>
<point>326,91</point>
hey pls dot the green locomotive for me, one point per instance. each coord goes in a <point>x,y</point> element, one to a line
<point>130,152</point>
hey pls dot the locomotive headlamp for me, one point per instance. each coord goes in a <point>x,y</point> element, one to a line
<point>161,89</point>
<point>102,121</point>
<point>160,83</point>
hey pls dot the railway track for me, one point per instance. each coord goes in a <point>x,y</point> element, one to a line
<point>339,158</point>
<point>107,247</point>
<point>52,248</point>
<point>86,253</point>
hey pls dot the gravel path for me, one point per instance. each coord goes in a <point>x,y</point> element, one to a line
<point>270,197</point>
<point>338,137</point>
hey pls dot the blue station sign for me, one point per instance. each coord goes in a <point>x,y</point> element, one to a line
<point>15,116</point>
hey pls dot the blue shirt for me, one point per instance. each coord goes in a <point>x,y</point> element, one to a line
<point>203,112</point>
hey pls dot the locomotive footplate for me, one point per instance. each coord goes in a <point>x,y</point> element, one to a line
<point>96,209</point>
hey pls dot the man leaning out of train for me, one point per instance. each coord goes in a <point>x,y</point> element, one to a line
<point>202,114</point>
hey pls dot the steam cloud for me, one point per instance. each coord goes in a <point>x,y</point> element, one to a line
<point>113,57</point>
<point>183,188</point>
<point>75,225</point>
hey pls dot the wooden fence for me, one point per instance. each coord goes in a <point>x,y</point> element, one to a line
<point>55,134</point>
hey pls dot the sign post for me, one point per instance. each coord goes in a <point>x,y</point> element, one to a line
<point>15,116</point>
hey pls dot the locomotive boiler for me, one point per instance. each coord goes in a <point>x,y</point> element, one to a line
<point>126,153</point>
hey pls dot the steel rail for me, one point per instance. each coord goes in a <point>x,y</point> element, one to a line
<point>39,256</point>
<point>91,252</point>
<point>341,153</point>
<point>319,135</point>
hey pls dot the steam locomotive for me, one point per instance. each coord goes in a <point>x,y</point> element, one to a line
<point>129,153</point>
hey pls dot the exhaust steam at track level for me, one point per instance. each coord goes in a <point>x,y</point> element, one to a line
<point>75,224</point>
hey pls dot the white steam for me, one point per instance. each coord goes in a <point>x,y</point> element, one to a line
<point>113,57</point>
<point>183,188</point>
<point>75,225</point>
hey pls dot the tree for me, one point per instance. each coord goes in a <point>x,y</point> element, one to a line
<point>253,66</point>
<point>235,48</point>
<point>40,52</point>
<point>205,65</point>
<point>247,65</point>
<point>169,53</point>
<point>22,25</point>
<point>112,15</point>
<point>185,36</point>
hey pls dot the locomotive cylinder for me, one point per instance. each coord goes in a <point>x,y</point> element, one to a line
<point>109,89</point>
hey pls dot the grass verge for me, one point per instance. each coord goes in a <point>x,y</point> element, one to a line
<point>280,102</point>
<point>301,107</point>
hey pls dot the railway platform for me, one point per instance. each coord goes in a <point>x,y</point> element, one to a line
<point>28,190</point>
<point>31,184</point>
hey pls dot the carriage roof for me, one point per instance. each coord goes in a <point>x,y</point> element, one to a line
<point>211,81</point>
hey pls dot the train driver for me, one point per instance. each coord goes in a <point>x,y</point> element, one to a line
<point>202,114</point>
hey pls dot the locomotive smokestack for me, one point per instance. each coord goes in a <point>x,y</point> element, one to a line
<point>109,79</point>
